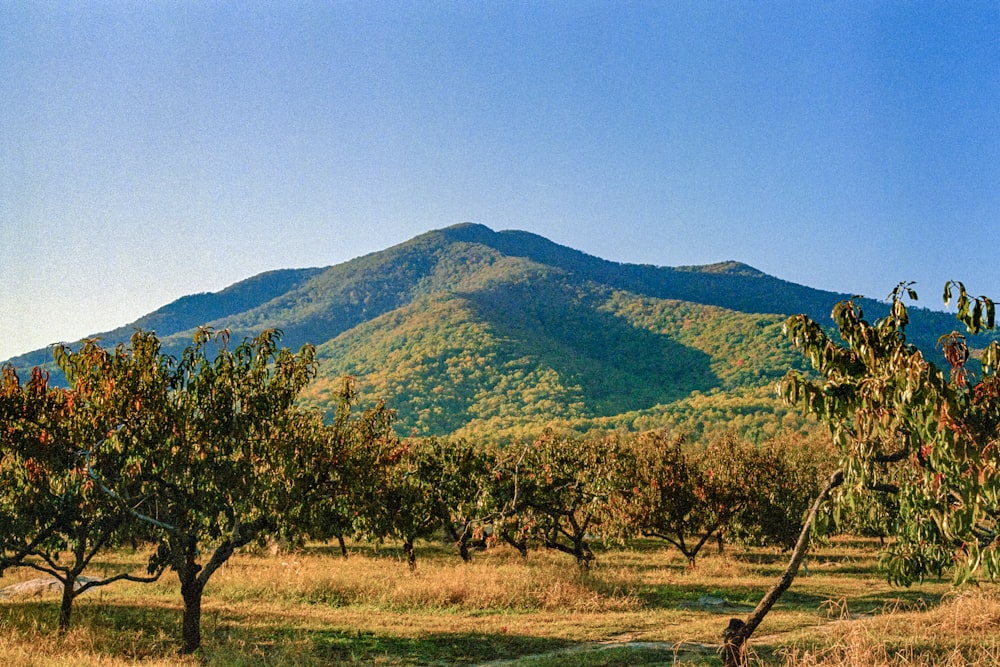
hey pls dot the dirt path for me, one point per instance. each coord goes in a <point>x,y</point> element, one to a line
<point>682,651</point>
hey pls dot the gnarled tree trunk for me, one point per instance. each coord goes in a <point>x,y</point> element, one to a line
<point>737,634</point>
<point>460,539</point>
<point>520,545</point>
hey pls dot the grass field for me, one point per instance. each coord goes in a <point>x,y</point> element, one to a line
<point>638,606</point>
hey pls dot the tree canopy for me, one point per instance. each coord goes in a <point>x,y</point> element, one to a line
<point>906,427</point>
<point>903,426</point>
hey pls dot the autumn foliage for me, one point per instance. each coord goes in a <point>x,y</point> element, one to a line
<point>204,454</point>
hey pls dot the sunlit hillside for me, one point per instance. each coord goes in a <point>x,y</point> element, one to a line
<point>499,334</point>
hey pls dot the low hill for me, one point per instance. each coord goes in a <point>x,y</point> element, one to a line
<point>495,334</point>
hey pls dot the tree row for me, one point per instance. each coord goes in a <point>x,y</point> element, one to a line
<point>202,455</point>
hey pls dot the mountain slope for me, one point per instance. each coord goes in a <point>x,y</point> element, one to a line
<point>544,346</point>
<point>470,330</point>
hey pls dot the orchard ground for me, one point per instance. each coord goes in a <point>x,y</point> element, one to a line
<point>640,605</point>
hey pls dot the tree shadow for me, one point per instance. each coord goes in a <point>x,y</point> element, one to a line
<point>617,366</point>
<point>453,648</point>
<point>688,596</point>
<point>146,631</point>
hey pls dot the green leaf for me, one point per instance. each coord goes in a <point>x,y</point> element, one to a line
<point>977,317</point>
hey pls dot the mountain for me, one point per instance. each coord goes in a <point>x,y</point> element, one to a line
<point>487,333</point>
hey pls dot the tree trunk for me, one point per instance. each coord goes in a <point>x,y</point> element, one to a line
<point>463,550</point>
<point>460,540</point>
<point>520,545</point>
<point>737,634</point>
<point>583,554</point>
<point>194,577</point>
<point>343,545</point>
<point>66,607</point>
<point>191,591</point>
<point>411,556</point>
<point>692,552</point>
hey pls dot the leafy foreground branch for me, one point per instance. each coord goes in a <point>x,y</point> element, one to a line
<point>905,428</point>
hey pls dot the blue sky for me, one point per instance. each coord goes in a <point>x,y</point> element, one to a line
<point>156,149</point>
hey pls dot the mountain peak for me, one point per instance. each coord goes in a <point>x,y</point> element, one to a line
<point>730,267</point>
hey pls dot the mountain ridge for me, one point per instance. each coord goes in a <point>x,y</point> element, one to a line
<point>466,329</point>
<point>290,286</point>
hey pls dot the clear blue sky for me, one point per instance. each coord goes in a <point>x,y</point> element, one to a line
<point>150,150</point>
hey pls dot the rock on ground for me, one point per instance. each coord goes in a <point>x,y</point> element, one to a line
<point>38,587</point>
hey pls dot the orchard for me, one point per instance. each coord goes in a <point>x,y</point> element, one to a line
<point>200,456</point>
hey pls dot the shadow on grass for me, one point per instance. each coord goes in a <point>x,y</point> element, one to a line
<point>686,596</point>
<point>472,648</point>
<point>136,632</point>
<point>449,648</point>
<point>126,631</point>
<point>894,600</point>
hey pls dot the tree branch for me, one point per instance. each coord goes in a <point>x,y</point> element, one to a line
<point>895,457</point>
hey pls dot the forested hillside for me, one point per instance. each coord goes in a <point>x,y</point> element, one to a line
<point>498,334</point>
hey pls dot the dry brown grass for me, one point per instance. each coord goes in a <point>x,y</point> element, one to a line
<point>40,647</point>
<point>963,630</point>
<point>314,608</point>
<point>498,581</point>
